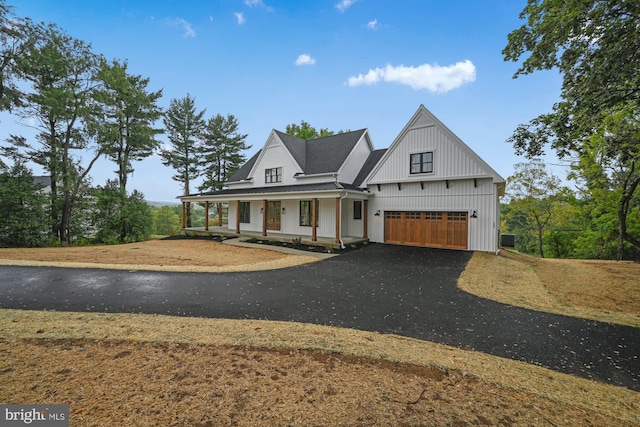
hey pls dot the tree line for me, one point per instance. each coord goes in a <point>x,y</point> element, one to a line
<point>85,108</point>
<point>595,127</point>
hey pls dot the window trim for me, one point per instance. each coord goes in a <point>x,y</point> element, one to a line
<point>271,178</point>
<point>421,163</point>
<point>307,212</point>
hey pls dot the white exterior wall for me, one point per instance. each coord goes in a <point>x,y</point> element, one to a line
<point>290,220</point>
<point>275,155</point>
<point>449,159</point>
<point>351,166</point>
<point>461,196</point>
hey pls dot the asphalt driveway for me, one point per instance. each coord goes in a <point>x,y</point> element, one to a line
<point>389,289</point>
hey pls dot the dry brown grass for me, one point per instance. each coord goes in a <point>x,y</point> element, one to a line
<point>607,291</point>
<point>131,370</point>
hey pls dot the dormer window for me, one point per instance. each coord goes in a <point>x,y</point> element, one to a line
<point>273,175</point>
<point>421,162</point>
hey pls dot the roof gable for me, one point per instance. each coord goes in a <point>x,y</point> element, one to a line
<point>424,132</point>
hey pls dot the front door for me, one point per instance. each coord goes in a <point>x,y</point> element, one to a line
<point>273,215</point>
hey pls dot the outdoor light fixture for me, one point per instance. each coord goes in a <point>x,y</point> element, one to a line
<point>261,209</point>
<point>474,214</point>
<point>284,211</point>
<point>377,213</point>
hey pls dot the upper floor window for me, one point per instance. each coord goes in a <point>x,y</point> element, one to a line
<point>422,162</point>
<point>273,175</point>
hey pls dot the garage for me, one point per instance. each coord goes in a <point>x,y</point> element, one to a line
<point>436,229</point>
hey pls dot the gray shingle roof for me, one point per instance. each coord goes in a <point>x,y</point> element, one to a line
<point>243,172</point>
<point>316,156</point>
<point>372,160</point>
<point>326,155</point>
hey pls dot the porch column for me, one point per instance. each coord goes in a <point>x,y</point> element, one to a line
<point>338,219</point>
<point>206,216</point>
<point>184,214</point>
<point>219,214</point>
<point>264,217</point>
<point>365,219</point>
<point>237,216</point>
<point>314,220</point>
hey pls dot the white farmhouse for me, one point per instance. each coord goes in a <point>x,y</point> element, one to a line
<point>428,189</point>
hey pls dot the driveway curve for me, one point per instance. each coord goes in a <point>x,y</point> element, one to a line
<point>399,290</point>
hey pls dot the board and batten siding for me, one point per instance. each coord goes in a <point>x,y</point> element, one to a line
<point>449,160</point>
<point>461,196</point>
<point>275,155</point>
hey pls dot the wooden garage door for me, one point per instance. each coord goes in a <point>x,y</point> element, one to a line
<point>439,229</point>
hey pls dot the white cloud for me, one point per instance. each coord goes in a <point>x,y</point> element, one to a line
<point>258,3</point>
<point>240,18</point>
<point>434,78</point>
<point>344,5</point>
<point>373,25</point>
<point>305,59</point>
<point>179,22</point>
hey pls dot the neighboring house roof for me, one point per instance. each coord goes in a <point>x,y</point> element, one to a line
<point>368,165</point>
<point>45,181</point>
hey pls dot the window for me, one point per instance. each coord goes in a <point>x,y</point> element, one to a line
<point>245,212</point>
<point>422,162</point>
<point>273,175</point>
<point>357,209</point>
<point>305,212</point>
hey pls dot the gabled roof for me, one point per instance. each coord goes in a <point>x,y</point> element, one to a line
<point>424,117</point>
<point>296,146</point>
<point>315,156</point>
<point>372,160</point>
<point>327,155</point>
<point>243,173</point>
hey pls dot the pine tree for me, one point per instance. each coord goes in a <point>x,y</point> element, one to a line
<point>184,127</point>
<point>221,151</point>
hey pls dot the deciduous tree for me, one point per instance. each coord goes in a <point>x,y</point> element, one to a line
<point>595,45</point>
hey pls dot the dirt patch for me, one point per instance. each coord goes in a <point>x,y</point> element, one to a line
<point>193,255</point>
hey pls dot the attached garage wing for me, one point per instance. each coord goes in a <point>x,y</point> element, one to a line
<point>436,229</point>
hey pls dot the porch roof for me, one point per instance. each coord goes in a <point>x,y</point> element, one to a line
<point>280,190</point>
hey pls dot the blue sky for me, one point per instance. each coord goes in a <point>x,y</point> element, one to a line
<point>347,64</point>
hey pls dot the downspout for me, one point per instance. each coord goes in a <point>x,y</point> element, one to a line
<point>342,246</point>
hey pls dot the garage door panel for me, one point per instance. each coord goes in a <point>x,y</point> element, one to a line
<point>438,229</point>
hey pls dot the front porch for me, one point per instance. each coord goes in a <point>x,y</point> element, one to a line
<point>276,236</point>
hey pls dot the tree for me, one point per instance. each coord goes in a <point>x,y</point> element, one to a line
<point>533,190</point>
<point>166,221</point>
<point>595,44</point>
<point>62,73</point>
<point>221,151</point>
<point>117,220</point>
<point>23,220</point>
<point>184,127</point>
<point>15,34</point>
<point>125,131</point>
<point>307,132</point>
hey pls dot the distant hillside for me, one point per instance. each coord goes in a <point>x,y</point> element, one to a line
<point>161,204</point>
